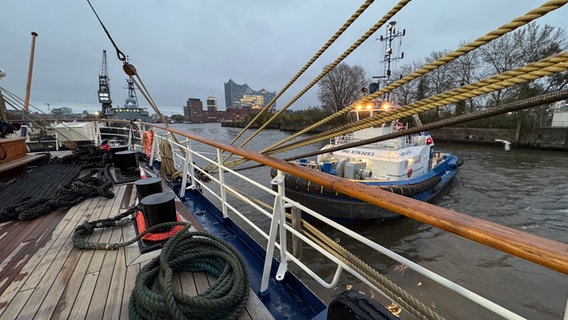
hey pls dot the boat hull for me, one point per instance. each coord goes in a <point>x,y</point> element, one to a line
<point>348,210</point>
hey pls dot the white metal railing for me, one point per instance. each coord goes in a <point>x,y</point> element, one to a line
<point>184,160</point>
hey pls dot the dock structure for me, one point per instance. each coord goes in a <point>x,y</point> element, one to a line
<point>44,276</point>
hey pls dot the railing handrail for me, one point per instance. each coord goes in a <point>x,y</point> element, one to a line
<point>276,218</point>
<point>545,252</point>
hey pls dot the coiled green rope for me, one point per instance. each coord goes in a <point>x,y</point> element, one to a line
<point>154,296</point>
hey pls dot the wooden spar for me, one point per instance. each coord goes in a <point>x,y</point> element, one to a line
<point>545,252</point>
<point>30,69</point>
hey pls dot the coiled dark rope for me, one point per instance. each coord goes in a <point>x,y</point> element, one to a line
<point>54,185</point>
<point>83,231</point>
<point>154,296</point>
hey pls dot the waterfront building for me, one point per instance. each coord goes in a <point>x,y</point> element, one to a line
<point>242,96</point>
<point>211,104</point>
<point>194,113</point>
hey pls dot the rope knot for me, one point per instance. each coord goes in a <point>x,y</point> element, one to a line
<point>85,228</point>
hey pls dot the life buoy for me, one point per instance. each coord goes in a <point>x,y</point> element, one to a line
<point>398,126</point>
<point>147,140</point>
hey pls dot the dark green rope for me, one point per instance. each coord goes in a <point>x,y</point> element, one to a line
<point>83,231</point>
<point>154,296</point>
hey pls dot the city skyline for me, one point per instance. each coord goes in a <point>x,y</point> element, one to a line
<point>179,54</point>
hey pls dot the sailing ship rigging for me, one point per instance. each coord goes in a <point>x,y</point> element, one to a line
<point>274,290</point>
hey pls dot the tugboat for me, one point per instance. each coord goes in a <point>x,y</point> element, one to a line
<point>407,165</point>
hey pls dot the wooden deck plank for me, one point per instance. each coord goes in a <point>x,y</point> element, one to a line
<point>84,284</point>
<point>85,276</point>
<point>55,279</point>
<point>71,291</point>
<point>60,235</point>
<point>104,235</point>
<point>117,285</point>
<point>23,238</point>
<point>255,308</point>
<point>32,273</point>
<point>79,310</point>
<point>110,265</point>
<point>130,279</point>
<point>187,283</point>
<point>12,310</point>
<point>125,200</point>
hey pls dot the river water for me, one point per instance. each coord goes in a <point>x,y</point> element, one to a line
<point>524,189</point>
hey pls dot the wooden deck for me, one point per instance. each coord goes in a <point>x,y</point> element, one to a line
<point>43,276</point>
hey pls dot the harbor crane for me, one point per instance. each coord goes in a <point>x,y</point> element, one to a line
<point>104,88</point>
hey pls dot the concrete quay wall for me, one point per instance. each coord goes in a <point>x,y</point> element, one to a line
<point>546,138</point>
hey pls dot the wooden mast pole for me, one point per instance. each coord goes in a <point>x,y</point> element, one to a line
<point>2,103</point>
<point>30,69</point>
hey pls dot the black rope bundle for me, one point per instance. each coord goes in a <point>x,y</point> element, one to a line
<point>55,185</point>
<point>154,296</point>
<point>63,196</point>
<point>88,156</point>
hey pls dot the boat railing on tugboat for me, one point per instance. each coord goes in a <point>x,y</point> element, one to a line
<point>548,253</point>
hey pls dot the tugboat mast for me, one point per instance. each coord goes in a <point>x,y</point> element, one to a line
<point>389,56</point>
<point>391,34</point>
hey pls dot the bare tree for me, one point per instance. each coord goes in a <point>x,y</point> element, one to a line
<point>513,50</point>
<point>465,71</point>
<point>341,87</point>
<point>440,79</point>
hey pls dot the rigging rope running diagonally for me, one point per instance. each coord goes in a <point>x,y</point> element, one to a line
<point>511,26</point>
<point>530,72</point>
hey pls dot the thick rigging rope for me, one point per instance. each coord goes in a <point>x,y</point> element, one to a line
<point>514,24</point>
<point>411,304</point>
<point>83,231</point>
<point>329,42</point>
<point>532,71</point>
<point>61,187</point>
<point>42,122</point>
<point>167,166</point>
<point>489,112</point>
<point>388,287</point>
<point>322,74</point>
<point>119,53</point>
<point>329,67</point>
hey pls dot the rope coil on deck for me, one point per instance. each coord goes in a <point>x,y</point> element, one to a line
<point>58,185</point>
<point>154,295</point>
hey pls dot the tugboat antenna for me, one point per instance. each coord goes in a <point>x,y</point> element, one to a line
<point>389,55</point>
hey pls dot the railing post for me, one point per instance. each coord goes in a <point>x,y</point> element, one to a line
<point>222,183</point>
<point>189,155</point>
<point>278,217</point>
<point>566,311</point>
<point>153,149</point>
<point>98,134</point>
<point>185,171</point>
<point>130,133</point>
<point>297,225</point>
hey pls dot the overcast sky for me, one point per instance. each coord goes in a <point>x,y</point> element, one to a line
<point>188,49</point>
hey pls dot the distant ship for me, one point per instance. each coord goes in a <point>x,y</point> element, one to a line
<point>130,110</point>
